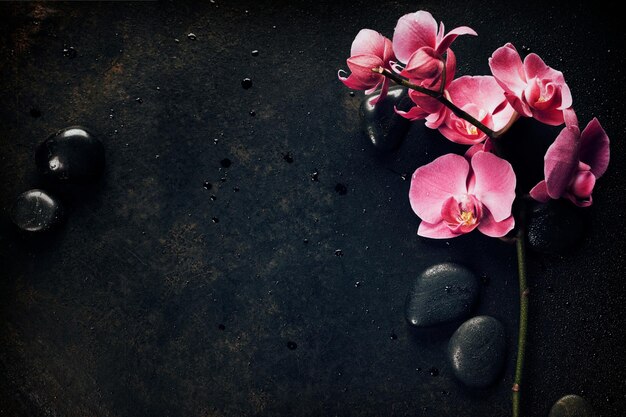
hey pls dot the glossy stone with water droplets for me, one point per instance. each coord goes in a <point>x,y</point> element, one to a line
<point>571,406</point>
<point>442,293</point>
<point>555,227</point>
<point>384,128</point>
<point>36,211</point>
<point>71,155</point>
<point>476,351</point>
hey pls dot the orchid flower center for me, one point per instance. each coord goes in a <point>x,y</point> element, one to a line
<point>467,218</point>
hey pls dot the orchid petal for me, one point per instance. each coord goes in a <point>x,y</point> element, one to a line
<point>435,182</point>
<point>561,161</point>
<point>413,31</point>
<point>452,35</point>
<point>490,227</point>
<point>495,184</point>
<point>540,192</point>
<point>439,230</point>
<point>508,69</point>
<point>368,42</point>
<point>594,148</point>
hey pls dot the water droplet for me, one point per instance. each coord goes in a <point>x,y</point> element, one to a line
<point>246,83</point>
<point>338,252</point>
<point>484,279</point>
<point>448,289</point>
<point>215,141</point>
<point>34,112</point>
<point>221,327</point>
<point>433,371</point>
<point>213,197</point>
<point>236,189</point>
<point>215,220</point>
<point>252,113</point>
<point>351,93</point>
<point>207,185</point>
<point>288,157</point>
<point>315,176</point>
<point>191,36</point>
<point>357,284</point>
<point>292,345</point>
<point>341,189</point>
<point>393,336</point>
<point>70,52</point>
<point>226,163</point>
<point>139,100</point>
<point>305,240</point>
<point>255,52</point>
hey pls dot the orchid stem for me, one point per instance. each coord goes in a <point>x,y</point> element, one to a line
<point>437,96</point>
<point>523,318</point>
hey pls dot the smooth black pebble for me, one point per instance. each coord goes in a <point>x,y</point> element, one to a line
<point>384,128</point>
<point>442,293</point>
<point>36,211</point>
<point>571,406</point>
<point>555,227</point>
<point>71,155</point>
<point>476,351</point>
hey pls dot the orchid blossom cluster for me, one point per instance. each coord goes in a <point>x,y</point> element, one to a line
<point>454,195</point>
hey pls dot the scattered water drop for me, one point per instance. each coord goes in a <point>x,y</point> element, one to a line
<point>351,93</point>
<point>288,157</point>
<point>226,163</point>
<point>176,40</point>
<point>255,52</point>
<point>246,83</point>
<point>70,52</point>
<point>315,176</point>
<point>393,336</point>
<point>139,100</point>
<point>433,371</point>
<point>305,240</point>
<point>207,185</point>
<point>252,113</point>
<point>215,141</point>
<point>448,289</point>
<point>341,189</point>
<point>357,284</point>
<point>236,189</point>
<point>338,252</point>
<point>215,220</point>
<point>292,345</point>
<point>191,36</point>
<point>213,197</point>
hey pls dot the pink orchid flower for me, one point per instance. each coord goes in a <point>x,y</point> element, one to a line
<point>369,50</point>
<point>426,108</point>
<point>573,163</point>
<point>418,42</point>
<point>533,88</point>
<point>453,196</point>
<point>482,98</point>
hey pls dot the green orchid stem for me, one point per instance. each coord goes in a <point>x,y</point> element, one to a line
<point>439,96</point>
<point>523,319</point>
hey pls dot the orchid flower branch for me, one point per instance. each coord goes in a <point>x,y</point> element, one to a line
<point>455,194</point>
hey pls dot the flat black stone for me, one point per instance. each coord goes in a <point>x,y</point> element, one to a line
<point>36,211</point>
<point>571,406</point>
<point>442,293</point>
<point>71,155</point>
<point>384,128</point>
<point>476,351</point>
<point>556,227</point>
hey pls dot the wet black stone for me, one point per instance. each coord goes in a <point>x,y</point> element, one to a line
<point>571,406</point>
<point>226,163</point>
<point>71,155</point>
<point>442,293</point>
<point>384,128</point>
<point>36,211</point>
<point>246,83</point>
<point>341,189</point>
<point>292,345</point>
<point>556,227</point>
<point>476,351</point>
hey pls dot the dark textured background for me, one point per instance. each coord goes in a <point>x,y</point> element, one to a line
<point>118,312</point>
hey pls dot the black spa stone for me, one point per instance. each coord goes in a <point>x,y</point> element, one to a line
<point>555,227</point>
<point>36,211</point>
<point>71,155</point>
<point>442,293</point>
<point>384,128</point>
<point>476,351</point>
<point>571,406</point>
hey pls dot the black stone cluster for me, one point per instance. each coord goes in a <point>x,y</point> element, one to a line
<point>70,156</point>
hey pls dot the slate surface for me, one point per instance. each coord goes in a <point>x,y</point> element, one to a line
<point>142,305</point>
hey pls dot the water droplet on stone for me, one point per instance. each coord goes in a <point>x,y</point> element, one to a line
<point>215,220</point>
<point>139,100</point>
<point>338,252</point>
<point>72,155</point>
<point>191,36</point>
<point>246,83</point>
<point>236,189</point>
<point>341,189</point>
<point>252,113</point>
<point>315,176</point>
<point>70,52</point>
<point>292,345</point>
<point>255,52</point>
<point>213,198</point>
<point>357,284</point>
<point>36,211</point>
<point>287,157</point>
<point>433,371</point>
<point>207,185</point>
<point>351,93</point>
<point>393,336</point>
<point>305,241</point>
<point>226,163</point>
